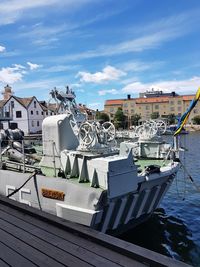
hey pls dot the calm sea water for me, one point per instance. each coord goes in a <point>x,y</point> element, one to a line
<point>174,228</point>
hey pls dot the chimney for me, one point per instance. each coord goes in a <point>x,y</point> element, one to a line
<point>128,97</point>
<point>7,92</point>
<point>173,94</point>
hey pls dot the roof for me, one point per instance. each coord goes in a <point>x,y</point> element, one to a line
<point>159,99</point>
<point>114,102</point>
<point>25,101</point>
<point>188,97</point>
<point>148,100</point>
<point>2,102</point>
<point>52,107</point>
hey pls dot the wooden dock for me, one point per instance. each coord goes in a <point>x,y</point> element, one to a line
<point>30,237</point>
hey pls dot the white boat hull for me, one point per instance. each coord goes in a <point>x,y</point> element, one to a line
<point>88,205</point>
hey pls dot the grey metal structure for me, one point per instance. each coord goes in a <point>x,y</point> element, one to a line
<point>146,141</point>
<point>83,178</point>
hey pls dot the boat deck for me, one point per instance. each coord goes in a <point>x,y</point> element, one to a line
<point>30,237</point>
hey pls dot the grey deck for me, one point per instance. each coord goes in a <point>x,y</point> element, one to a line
<point>29,237</point>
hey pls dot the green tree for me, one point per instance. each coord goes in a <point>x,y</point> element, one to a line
<point>102,116</point>
<point>196,119</point>
<point>135,118</point>
<point>119,118</point>
<point>155,115</point>
<point>171,118</point>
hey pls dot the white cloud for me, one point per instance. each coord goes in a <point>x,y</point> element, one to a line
<point>60,68</point>
<point>2,48</point>
<point>151,35</point>
<point>137,66</point>
<point>43,35</point>
<point>10,75</point>
<point>94,105</point>
<point>18,66</point>
<point>33,66</point>
<point>15,73</point>
<point>134,45</point>
<point>111,91</point>
<point>109,73</point>
<point>13,10</point>
<point>179,86</point>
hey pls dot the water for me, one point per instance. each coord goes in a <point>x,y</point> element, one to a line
<point>174,228</point>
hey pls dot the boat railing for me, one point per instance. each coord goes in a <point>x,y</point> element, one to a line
<point>25,149</point>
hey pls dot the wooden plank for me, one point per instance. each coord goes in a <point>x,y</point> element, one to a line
<point>95,254</point>
<point>11,257</point>
<point>78,248</point>
<point>122,247</point>
<point>37,248</point>
<point>4,264</point>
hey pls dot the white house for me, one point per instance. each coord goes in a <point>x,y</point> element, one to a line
<point>26,113</point>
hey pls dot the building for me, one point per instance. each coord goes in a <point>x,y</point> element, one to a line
<point>24,113</point>
<point>27,113</point>
<point>163,104</point>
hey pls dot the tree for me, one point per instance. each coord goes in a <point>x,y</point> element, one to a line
<point>102,116</point>
<point>196,119</point>
<point>171,118</point>
<point>155,115</point>
<point>119,119</point>
<point>135,118</point>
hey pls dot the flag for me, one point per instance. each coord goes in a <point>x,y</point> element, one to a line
<point>185,116</point>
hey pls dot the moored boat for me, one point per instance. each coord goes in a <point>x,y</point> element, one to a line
<point>83,178</point>
<point>79,173</point>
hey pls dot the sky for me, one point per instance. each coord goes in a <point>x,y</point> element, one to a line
<point>102,49</point>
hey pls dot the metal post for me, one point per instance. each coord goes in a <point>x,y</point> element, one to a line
<point>0,156</point>
<point>23,156</point>
<point>54,161</point>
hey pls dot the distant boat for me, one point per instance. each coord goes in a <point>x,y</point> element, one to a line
<point>171,130</point>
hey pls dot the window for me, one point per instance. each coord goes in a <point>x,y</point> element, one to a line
<point>179,108</point>
<point>32,123</point>
<point>111,109</point>
<point>132,110</point>
<point>47,113</point>
<point>125,105</point>
<point>156,106</point>
<point>179,102</point>
<point>172,109</point>
<point>12,104</point>
<point>37,113</point>
<point>195,111</point>
<point>171,102</point>
<point>42,113</point>
<point>126,111</point>
<point>7,114</point>
<point>18,114</point>
<point>34,104</point>
<point>147,107</point>
<point>31,112</point>
<point>38,123</point>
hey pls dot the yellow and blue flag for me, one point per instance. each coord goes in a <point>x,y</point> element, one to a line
<point>185,116</point>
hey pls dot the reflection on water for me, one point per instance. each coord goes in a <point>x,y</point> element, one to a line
<point>174,229</point>
<point>167,235</point>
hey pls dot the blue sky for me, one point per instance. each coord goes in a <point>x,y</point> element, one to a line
<point>103,49</point>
